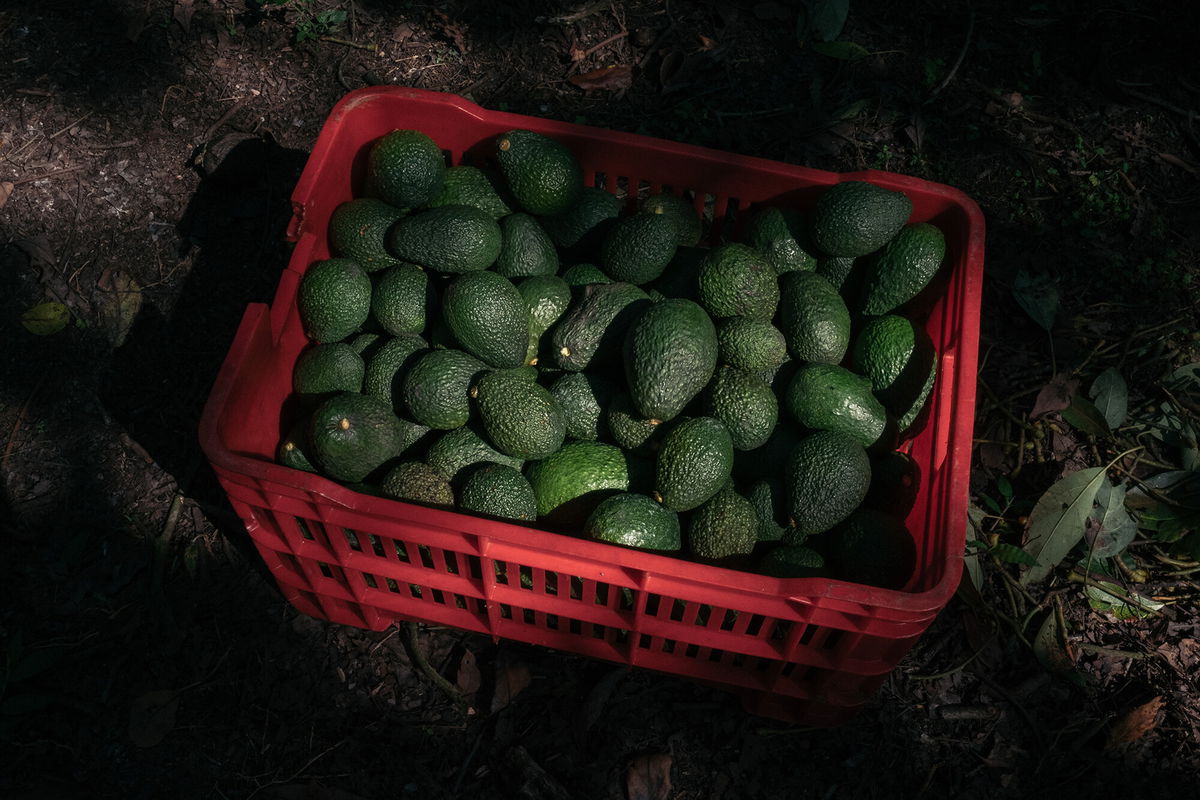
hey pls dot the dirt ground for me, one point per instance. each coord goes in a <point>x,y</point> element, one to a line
<point>147,154</point>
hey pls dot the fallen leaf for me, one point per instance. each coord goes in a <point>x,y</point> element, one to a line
<point>598,696</point>
<point>118,301</point>
<point>183,13</point>
<point>1058,519</point>
<point>1037,294</point>
<point>41,254</point>
<point>842,51</point>
<point>1135,724</point>
<point>451,30</point>
<point>467,678</point>
<point>1051,647</point>
<point>648,777</point>
<point>1176,161</point>
<point>705,42</point>
<point>152,717</point>
<point>1055,395</point>
<point>512,678</point>
<point>6,190</point>
<point>610,79</point>
<point>46,319</point>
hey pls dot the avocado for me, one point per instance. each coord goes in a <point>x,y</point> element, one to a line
<point>746,405</point>
<point>827,397</point>
<point>905,266</point>
<point>844,273</point>
<point>352,435</point>
<point>826,478</point>
<point>670,356</point>
<point>813,318</point>
<point>873,548</point>
<point>895,481</point>
<point>358,230</point>
<point>497,490</point>
<point>583,398</point>
<point>573,481</point>
<point>448,239</point>
<point>385,371</point>
<point>736,281</point>
<point>682,214</point>
<point>594,327</point>
<point>781,235</point>
<point>368,344</point>
<point>793,561</point>
<point>725,525</point>
<point>488,317</point>
<point>471,186</point>
<point>542,173</point>
<point>750,343</point>
<point>334,299</point>
<point>293,450</point>
<point>695,461</point>
<point>324,370</point>
<point>770,504</point>
<point>457,449</point>
<point>417,482</point>
<point>638,248</point>
<point>521,418</point>
<point>582,227</point>
<point>580,275</point>
<point>405,168</point>
<point>435,390</point>
<point>403,299</point>
<point>681,278</point>
<point>634,520</point>
<point>897,358</point>
<point>629,429</point>
<point>525,248</point>
<point>547,298</point>
<point>854,218</point>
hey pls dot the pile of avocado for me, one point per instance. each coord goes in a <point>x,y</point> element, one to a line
<point>504,341</point>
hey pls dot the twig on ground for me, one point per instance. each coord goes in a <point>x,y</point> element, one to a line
<point>51,174</point>
<point>958,61</point>
<point>408,630</point>
<point>371,48</point>
<point>233,109</point>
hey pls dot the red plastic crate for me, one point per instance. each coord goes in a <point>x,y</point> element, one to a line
<point>805,650</point>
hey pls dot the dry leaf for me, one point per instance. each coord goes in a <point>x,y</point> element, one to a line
<point>183,13</point>
<point>402,33</point>
<point>610,79</point>
<point>1055,395</point>
<point>6,190</point>
<point>118,301</point>
<point>648,777</point>
<point>467,677</point>
<point>1135,724</point>
<point>705,42</point>
<point>1176,161</point>
<point>152,717</point>
<point>451,30</point>
<point>41,254</point>
<point>512,677</point>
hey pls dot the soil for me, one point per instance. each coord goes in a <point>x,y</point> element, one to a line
<point>147,154</point>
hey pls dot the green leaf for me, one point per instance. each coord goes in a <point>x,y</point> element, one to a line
<point>1038,295</point>
<point>1012,554</point>
<point>842,51</point>
<point>1177,487</point>
<point>992,505</point>
<point>1111,397</point>
<point>1057,521</point>
<point>1122,603</point>
<point>46,319</point>
<point>1050,647</point>
<point>971,565</point>
<point>1005,487</point>
<point>826,18</point>
<point>1083,416</point>
<point>1115,529</point>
